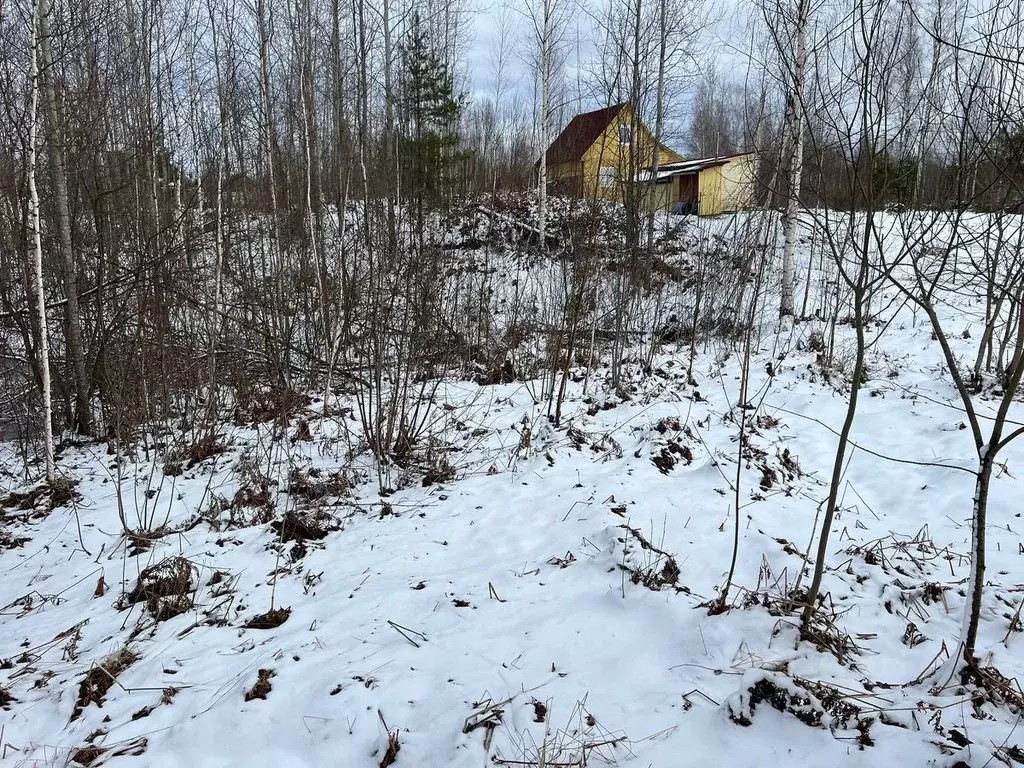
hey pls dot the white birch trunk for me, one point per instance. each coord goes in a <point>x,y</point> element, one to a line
<point>62,206</point>
<point>43,353</point>
<point>659,119</point>
<point>795,138</point>
<point>545,98</point>
<point>305,47</point>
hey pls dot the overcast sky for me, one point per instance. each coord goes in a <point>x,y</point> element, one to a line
<point>506,21</point>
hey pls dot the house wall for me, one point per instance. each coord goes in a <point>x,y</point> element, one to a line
<point>607,152</point>
<point>565,178</point>
<point>738,177</point>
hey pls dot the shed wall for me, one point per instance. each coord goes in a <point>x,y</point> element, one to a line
<point>709,191</point>
<point>738,183</point>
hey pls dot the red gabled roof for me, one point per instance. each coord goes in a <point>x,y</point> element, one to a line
<point>580,134</point>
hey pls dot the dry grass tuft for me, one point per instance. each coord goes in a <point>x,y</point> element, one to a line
<point>271,404</point>
<point>314,485</point>
<point>44,497</point>
<point>272,619</point>
<point>165,588</point>
<point>303,526</point>
<point>659,569</point>
<point>391,755</point>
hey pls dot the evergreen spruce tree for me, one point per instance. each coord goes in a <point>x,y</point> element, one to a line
<point>431,111</point>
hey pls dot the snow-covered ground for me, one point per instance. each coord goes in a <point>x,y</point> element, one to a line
<point>547,604</point>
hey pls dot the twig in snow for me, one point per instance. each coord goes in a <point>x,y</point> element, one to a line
<point>686,697</point>
<point>494,593</point>
<point>405,632</point>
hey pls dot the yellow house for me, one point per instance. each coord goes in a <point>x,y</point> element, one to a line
<point>596,155</point>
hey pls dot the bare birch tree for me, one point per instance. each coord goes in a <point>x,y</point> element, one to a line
<point>788,29</point>
<point>43,349</point>
<point>547,21</point>
<point>59,181</point>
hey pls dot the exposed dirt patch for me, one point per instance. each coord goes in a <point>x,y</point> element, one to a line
<point>666,459</point>
<point>87,755</point>
<point>794,702</point>
<point>262,686</point>
<point>62,492</point>
<point>815,704</point>
<point>9,541</point>
<point>668,424</point>
<point>302,432</point>
<point>5,698</point>
<point>489,372</point>
<point>438,472</point>
<point>203,449</point>
<point>101,678</point>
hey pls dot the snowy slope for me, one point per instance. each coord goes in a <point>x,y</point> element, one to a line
<point>513,601</point>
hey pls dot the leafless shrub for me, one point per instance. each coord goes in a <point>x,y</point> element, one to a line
<point>654,568</point>
<point>581,742</point>
<point>314,484</point>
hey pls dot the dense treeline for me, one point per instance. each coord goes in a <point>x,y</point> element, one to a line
<point>193,157</point>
